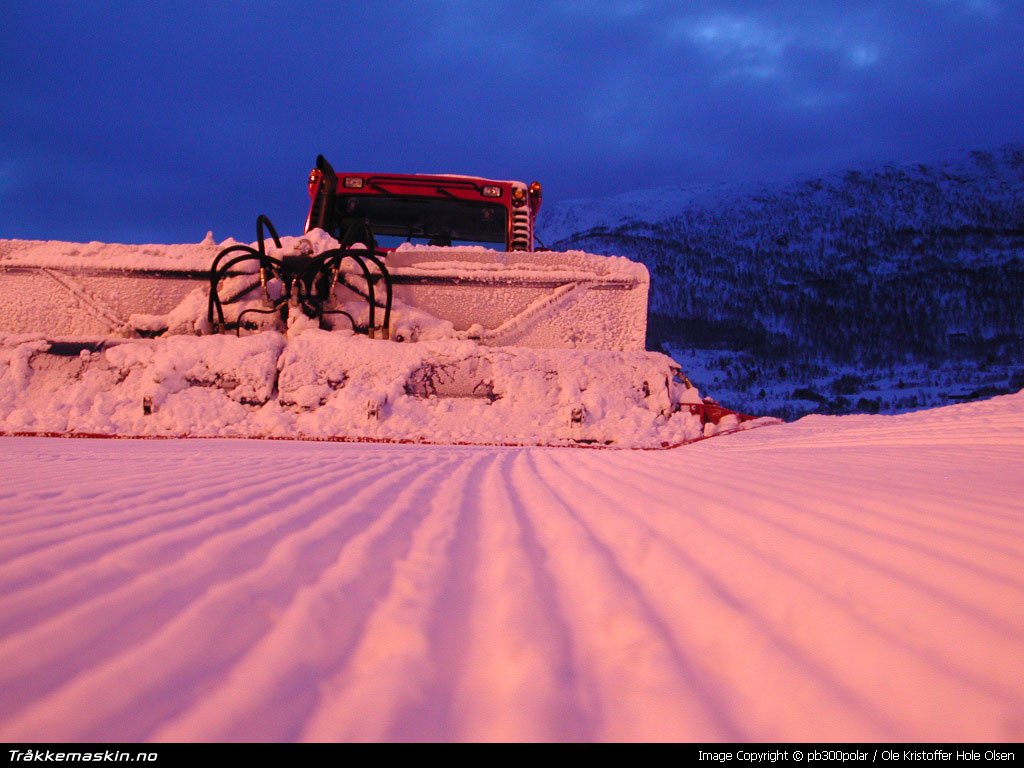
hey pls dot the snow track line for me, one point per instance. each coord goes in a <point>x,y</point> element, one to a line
<point>315,629</point>
<point>116,564</point>
<point>513,660</point>
<point>706,613</point>
<point>957,480</point>
<point>991,691</point>
<point>181,609</point>
<point>632,661</point>
<point>576,718</point>
<point>699,609</point>
<point>432,717</point>
<point>770,511</point>
<point>363,700</point>
<point>130,510</point>
<point>875,522</point>
<point>271,510</point>
<point>977,686</point>
<point>130,507</point>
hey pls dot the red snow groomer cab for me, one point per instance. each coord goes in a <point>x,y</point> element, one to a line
<point>423,209</point>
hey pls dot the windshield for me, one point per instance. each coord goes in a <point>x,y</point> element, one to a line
<point>423,220</point>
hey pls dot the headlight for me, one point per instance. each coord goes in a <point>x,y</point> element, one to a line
<point>313,183</point>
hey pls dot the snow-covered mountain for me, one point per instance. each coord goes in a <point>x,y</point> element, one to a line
<point>881,288</point>
<point>563,219</point>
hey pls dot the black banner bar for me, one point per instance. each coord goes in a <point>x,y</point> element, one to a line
<point>883,754</point>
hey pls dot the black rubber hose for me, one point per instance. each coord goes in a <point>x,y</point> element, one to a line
<point>351,319</point>
<point>388,289</point>
<point>216,277</point>
<point>334,259</point>
<point>312,273</point>
<point>371,300</point>
<point>260,221</point>
<point>238,327</point>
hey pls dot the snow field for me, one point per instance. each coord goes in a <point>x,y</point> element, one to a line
<point>839,578</point>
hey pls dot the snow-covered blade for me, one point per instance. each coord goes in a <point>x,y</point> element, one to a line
<point>545,299</point>
<point>568,300</point>
<point>95,290</point>
<point>483,347</point>
<point>330,385</point>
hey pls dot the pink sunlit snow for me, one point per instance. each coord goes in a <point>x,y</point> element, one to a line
<point>839,578</point>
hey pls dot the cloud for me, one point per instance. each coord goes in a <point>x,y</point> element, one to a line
<point>747,45</point>
<point>733,34</point>
<point>988,9</point>
<point>863,55</point>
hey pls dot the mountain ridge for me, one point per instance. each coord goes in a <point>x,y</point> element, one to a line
<point>864,272</point>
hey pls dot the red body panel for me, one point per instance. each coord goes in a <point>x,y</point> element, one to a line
<point>516,197</point>
<point>417,185</point>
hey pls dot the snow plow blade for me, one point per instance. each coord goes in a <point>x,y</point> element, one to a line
<point>322,385</point>
<point>306,339</point>
<point>542,299</point>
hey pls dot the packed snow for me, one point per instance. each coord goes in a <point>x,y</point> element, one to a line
<point>837,578</point>
<point>329,385</point>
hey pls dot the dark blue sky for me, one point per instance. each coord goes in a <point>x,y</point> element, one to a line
<point>155,121</point>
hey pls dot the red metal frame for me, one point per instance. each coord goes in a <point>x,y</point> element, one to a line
<point>711,414</point>
<point>469,188</point>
